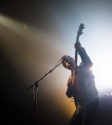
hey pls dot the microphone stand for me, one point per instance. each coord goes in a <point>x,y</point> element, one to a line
<point>36,89</point>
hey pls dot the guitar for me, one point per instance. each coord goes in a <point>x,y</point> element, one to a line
<point>75,77</point>
<point>68,62</point>
<point>79,32</point>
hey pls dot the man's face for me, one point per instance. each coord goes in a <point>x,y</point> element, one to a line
<point>67,64</point>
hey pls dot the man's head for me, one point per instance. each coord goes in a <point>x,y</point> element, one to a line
<point>68,62</point>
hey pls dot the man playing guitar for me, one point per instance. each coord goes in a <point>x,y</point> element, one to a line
<point>81,86</point>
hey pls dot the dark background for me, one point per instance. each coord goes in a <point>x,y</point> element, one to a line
<point>34,35</point>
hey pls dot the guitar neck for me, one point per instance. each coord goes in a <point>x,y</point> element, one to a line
<point>76,55</point>
<point>76,52</point>
<point>81,27</point>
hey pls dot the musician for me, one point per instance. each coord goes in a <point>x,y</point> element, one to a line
<point>81,86</point>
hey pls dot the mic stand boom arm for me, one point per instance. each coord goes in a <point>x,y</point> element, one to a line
<point>35,84</point>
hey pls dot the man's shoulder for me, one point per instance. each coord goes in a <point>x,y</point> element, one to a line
<point>85,71</point>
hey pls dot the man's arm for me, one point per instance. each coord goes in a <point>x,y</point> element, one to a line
<point>85,58</point>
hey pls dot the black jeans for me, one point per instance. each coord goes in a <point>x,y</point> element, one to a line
<point>87,115</point>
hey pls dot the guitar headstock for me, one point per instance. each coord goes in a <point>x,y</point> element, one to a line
<point>81,27</point>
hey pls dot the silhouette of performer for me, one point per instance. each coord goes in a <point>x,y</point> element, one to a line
<point>81,86</point>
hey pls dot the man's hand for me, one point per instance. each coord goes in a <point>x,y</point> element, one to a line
<point>77,45</point>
